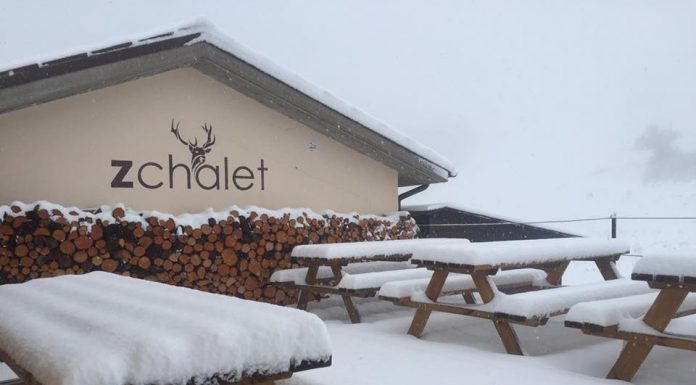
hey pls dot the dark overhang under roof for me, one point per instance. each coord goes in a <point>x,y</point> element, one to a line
<point>33,84</point>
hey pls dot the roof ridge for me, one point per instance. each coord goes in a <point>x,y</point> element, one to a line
<point>203,30</point>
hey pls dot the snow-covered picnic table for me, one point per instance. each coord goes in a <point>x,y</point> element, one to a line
<point>543,298</point>
<point>661,318</point>
<point>105,329</point>
<point>352,269</point>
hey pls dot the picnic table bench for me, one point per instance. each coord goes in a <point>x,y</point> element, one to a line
<point>643,321</point>
<point>352,269</point>
<point>106,329</point>
<point>482,262</point>
<point>510,281</point>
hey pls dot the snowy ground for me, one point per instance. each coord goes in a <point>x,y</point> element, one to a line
<point>456,349</point>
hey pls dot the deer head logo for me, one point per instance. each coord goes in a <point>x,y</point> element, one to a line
<point>197,152</point>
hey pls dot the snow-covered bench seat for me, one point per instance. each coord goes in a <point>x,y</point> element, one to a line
<point>621,313</point>
<point>105,329</point>
<point>353,269</point>
<point>400,292</point>
<point>297,275</point>
<point>666,318</point>
<point>357,285</point>
<point>533,308</point>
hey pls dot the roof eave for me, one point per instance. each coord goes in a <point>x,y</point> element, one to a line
<point>81,73</point>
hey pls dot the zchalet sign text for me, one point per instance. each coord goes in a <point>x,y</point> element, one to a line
<point>175,175</point>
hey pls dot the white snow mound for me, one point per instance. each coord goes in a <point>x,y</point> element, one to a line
<point>106,329</point>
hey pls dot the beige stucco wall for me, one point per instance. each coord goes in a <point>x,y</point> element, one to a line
<point>62,152</point>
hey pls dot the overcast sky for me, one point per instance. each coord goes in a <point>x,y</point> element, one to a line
<point>549,109</point>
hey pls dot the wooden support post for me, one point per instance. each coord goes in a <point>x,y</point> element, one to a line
<point>437,281</point>
<point>663,309</point>
<point>337,273</point>
<point>306,292</point>
<point>24,376</point>
<point>483,286</point>
<point>508,337</point>
<point>352,310</point>
<point>420,319</point>
<point>608,268</point>
<point>469,298</point>
<point>658,317</point>
<point>555,275</point>
<point>631,358</point>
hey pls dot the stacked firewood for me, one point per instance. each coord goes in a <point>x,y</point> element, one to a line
<point>234,256</point>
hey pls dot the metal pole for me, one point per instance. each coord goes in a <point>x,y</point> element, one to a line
<point>613,225</point>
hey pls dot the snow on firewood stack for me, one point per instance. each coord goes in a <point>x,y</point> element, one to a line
<point>232,252</point>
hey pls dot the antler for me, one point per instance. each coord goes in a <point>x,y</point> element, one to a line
<point>176,133</point>
<point>209,130</point>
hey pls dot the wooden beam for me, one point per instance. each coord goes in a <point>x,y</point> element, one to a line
<point>352,310</point>
<point>483,285</point>
<point>554,276</point>
<point>658,317</point>
<point>25,377</point>
<point>420,319</point>
<point>337,273</point>
<point>631,358</point>
<point>305,293</point>
<point>607,268</point>
<point>469,298</point>
<point>664,308</point>
<point>677,342</point>
<point>269,380</point>
<point>508,337</point>
<point>437,281</point>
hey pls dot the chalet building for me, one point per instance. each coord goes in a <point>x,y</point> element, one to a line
<point>189,120</point>
<point>182,122</point>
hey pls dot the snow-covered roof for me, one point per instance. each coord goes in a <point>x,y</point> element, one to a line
<point>333,117</point>
<point>502,219</point>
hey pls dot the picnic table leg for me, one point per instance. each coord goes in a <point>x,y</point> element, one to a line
<point>469,298</point>
<point>337,273</point>
<point>347,300</point>
<point>508,336</point>
<point>505,331</point>
<point>483,285</point>
<point>658,317</point>
<point>554,276</point>
<point>305,293</point>
<point>23,376</point>
<point>607,268</point>
<point>420,319</point>
<point>352,310</point>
